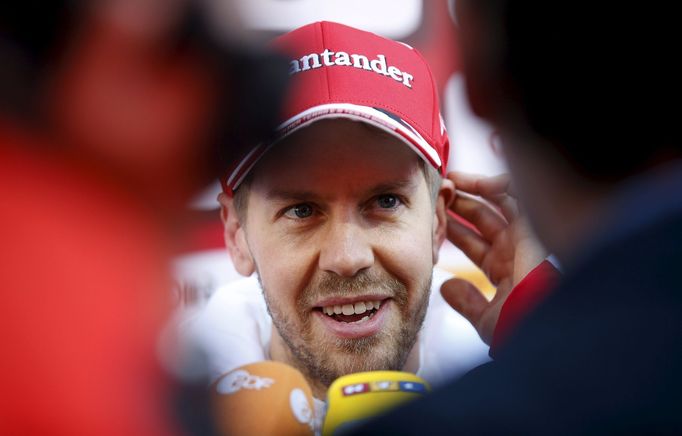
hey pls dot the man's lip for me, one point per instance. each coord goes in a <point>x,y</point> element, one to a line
<point>340,301</point>
<point>355,330</point>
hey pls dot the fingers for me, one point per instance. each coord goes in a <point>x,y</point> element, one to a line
<point>483,186</point>
<point>473,245</point>
<point>466,299</point>
<point>474,227</point>
<point>508,206</point>
<point>496,189</point>
<point>483,217</point>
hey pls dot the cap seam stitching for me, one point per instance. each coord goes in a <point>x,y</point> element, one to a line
<point>326,70</point>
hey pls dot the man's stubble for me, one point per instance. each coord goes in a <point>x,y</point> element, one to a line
<point>325,361</point>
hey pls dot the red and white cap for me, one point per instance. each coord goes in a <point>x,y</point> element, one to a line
<point>341,72</point>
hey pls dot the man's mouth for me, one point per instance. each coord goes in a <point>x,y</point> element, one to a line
<point>352,312</point>
<point>353,318</point>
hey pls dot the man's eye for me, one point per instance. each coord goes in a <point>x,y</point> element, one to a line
<point>300,211</point>
<point>388,201</point>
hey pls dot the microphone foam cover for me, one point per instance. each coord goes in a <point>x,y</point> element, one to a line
<point>355,398</point>
<point>264,398</point>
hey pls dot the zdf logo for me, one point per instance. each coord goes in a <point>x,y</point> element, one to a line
<point>240,379</point>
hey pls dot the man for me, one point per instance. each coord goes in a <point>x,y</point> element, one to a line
<point>342,220</point>
<point>594,151</point>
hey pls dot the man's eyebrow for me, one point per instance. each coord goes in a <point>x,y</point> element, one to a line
<point>396,185</point>
<point>289,195</point>
<point>301,195</point>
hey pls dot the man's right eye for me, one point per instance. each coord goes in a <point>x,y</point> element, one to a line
<point>299,211</point>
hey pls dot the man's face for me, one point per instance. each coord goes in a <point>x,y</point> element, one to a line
<point>340,226</point>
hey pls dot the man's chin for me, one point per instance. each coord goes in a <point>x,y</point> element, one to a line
<point>324,355</point>
<point>372,353</point>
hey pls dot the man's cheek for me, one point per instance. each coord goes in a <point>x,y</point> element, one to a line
<point>409,262</point>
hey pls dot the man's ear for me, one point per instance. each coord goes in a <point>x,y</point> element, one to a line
<point>446,195</point>
<point>235,237</point>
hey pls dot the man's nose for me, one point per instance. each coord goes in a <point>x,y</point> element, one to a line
<point>345,250</point>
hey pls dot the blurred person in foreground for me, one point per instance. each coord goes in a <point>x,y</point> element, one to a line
<point>341,220</point>
<point>583,97</point>
<point>108,112</point>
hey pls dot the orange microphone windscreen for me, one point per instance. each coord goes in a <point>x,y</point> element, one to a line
<point>264,398</point>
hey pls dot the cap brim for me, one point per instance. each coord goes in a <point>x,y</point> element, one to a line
<point>380,118</point>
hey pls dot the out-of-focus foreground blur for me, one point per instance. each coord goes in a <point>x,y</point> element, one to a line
<point>113,115</point>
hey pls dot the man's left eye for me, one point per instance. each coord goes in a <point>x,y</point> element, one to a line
<point>300,211</point>
<point>388,201</point>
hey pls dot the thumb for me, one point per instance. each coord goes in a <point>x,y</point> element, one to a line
<point>465,298</point>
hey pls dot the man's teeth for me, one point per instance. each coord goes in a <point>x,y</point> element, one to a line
<point>351,309</point>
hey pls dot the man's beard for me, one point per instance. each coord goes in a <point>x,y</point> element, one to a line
<point>325,361</point>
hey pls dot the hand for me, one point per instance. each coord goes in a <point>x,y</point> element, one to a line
<point>484,222</point>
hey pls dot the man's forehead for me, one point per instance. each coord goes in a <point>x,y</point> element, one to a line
<point>274,192</point>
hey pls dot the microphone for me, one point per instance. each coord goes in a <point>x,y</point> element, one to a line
<point>355,398</point>
<point>264,398</point>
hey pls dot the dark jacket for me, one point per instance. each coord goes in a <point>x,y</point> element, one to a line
<point>602,354</point>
